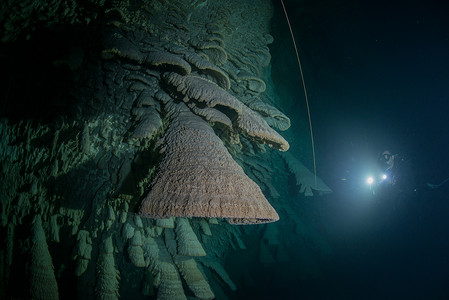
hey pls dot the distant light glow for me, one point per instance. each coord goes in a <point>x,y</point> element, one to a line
<point>370,180</point>
<point>384,176</point>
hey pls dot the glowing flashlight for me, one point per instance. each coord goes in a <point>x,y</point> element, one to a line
<point>370,180</point>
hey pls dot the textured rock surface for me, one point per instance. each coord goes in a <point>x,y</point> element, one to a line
<point>42,275</point>
<point>88,131</point>
<point>107,285</point>
<point>197,177</point>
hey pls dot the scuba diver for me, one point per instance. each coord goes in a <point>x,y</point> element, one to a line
<point>393,168</point>
<point>396,175</point>
<point>392,175</point>
<point>399,177</point>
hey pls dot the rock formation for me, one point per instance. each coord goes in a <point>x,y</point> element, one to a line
<point>134,133</point>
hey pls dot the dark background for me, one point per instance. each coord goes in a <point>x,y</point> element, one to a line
<point>377,74</point>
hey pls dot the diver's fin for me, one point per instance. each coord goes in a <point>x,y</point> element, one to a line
<point>435,186</point>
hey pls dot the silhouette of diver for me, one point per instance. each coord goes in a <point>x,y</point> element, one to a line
<point>400,176</point>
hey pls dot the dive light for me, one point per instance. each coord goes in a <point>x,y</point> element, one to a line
<point>370,179</point>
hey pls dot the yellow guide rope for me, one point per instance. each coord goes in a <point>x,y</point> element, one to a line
<point>304,86</point>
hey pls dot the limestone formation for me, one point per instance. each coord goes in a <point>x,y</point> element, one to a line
<point>272,115</point>
<point>82,252</point>
<point>304,178</point>
<point>128,231</point>
<point>107,285</point>
<point>135,251</point>
<point>169,102</point>
<point>212,115</point>
<point>205,227</point>
<point>208,68</point>
<point>197,177</point>
<point>166,223</point>
<point>188,244</point>
<point>149,124</point>
<point>42,276</point>
<point>194,278</point>
<point>55,227</point>
<point>166,276</point>
<point>123,47</point>
<point>203,91</point>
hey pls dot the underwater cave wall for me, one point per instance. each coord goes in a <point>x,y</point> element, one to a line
<point>155,131</point>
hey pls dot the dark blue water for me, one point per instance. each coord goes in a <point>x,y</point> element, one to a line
<point>377,74</point>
